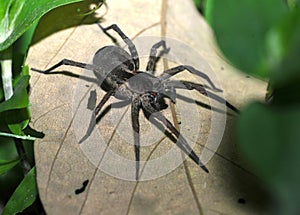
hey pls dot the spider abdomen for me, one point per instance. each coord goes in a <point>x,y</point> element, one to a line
<point>109,61</point>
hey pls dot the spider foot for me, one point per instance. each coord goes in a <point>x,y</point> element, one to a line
<point>204,168</point>
<point>217,90</point>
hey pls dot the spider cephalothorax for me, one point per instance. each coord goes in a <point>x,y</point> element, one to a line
<point>118,74</point>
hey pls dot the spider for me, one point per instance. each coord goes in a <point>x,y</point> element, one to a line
<point>118,74</point>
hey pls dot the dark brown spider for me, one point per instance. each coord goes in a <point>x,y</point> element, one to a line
<point>118,74</point>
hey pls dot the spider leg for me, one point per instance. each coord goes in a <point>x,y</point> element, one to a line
<point>68,63</point>
<point>201,89</point>
<point>130,44</point>
<point>175,70</point>
<point>95,113</point>
<point>181,143</point>
<point>135,108</point>
<point>153,58</point>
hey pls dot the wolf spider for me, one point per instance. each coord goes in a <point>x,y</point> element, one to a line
<point>118,74</point>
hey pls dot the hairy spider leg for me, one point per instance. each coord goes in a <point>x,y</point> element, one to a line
<point>153,59</point>
<point>131,46</point>
<point>95,113</point>
<point>181,143</point>
<point>68,63</point>
<point>201,89</point>
<point>175,70</point>
<point>135,109</point>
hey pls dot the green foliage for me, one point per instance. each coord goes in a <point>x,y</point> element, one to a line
<point>16,16</point>
<point>20,97</point>
<point>24,195</point>
<point>284,46</point>
<point>18,19</point>
<point>262,38</point>
<point>200,5</point>
<point>270,139</point>
<point>243,30</point>
<point>7,165</point>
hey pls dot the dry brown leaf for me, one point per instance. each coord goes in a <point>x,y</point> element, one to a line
<point>59,107</point>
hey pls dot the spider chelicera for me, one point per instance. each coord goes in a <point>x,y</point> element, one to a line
<point>118,74</point>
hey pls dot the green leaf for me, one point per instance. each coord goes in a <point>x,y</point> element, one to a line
<point>292,3</point>
<point>16,16</point>
<point>200,4</point>
<point>283,45</point>
<point>20,49</point>
<point>24,195</point>
<point>19,98</point>
<point>197,3</point>
<point>7,165</point>
<point>269,138</point>
<point>241,28</point>
<point>1,91</point>
<point>17,120</point>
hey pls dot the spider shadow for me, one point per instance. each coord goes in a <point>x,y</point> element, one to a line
<point>70,74</point>
<point>204,105</point>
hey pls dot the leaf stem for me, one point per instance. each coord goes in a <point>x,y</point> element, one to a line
<point>22,153</point>
<point>6,68</point>
<point>24,137</point>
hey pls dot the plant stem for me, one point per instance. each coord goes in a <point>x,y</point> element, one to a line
<point>24,137</point>
<point>6,68</point>
<point>21,152</point>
